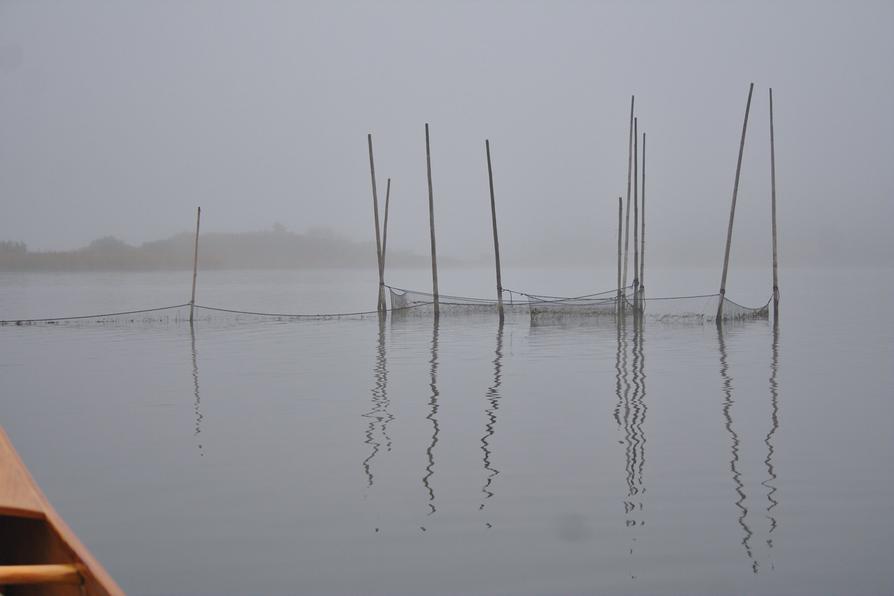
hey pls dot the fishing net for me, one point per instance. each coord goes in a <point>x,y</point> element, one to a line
<point>699,308</point>
<point>590,305</point>
<point>405,301</point>
<point>165,315</point>
<point>694,309</point>
<point>210,314</point>
<point>179,315</point>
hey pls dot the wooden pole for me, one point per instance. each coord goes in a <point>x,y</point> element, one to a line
<point>773,212</point>
<point>620,229</point>
<point>385,225</point>
<point>195,265</point>
<point>629,166</point>
<point>732,211</point>
<point>493,216</point>
<point>635,214</point>
<point>642,236</point>
<point>431,223</point>
<point>380,304</point>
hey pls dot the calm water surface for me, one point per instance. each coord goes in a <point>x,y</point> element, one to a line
<point>465,457</point>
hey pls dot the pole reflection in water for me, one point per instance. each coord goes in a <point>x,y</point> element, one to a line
<point>640,406</point>
<point>433,417</point>
<point>728,402</point>
<point>379,416</point>
<point>197,401</point>
<point>493,399</point>
<point>621,382</point>
<point>770,482</point>
<point>630,416</point>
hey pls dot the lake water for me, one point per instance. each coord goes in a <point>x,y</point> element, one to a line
<point>353,457</point>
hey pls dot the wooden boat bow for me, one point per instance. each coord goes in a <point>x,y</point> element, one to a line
<point>39,553</point>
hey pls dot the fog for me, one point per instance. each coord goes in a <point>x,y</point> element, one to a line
<point>120,118</point>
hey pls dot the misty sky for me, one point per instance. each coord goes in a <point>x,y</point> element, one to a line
<point>119,118</point>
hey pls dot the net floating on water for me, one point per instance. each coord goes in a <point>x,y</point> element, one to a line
<point>165,315</point>
<point>408,302</point>
<point>700,308</point>
<point>405,301</point>
<point>591,305</point>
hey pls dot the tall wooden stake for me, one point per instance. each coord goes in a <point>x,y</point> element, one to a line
<point>385,225</point>
<point>620,229</point>
<point>629,166</point>
<point>635,214</point>
<point>642,236</point>
<point>431,223</point>
<point>773,212</point>
<point>493,216</point>
<point>380,304</point>
<point>195,265</point>
<point>732,211</point>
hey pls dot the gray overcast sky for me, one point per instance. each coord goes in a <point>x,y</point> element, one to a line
<point>119,117</point>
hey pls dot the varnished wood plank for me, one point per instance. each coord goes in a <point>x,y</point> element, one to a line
<point>17,575</point>
<point>17,494</point>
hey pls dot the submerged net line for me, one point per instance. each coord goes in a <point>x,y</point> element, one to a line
<point>87,317</point>
<point>317,316</point>
<point>698,307</point>
<point>178,313</point>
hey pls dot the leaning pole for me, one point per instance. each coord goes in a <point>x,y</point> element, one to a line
<point>620,297</point>
<point>195,265</point>
<point>385,225</point>
<point>773,213</point>
<point>431,225</point>
<point>380,304</point>
<point>629,166</point>
<point>635,216</point>
<point>642,234</point>
<point>732,211</point>
<point>493,215</point>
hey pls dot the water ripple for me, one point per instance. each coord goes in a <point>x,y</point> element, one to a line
<point>493,398</point>
<point>432,417</point>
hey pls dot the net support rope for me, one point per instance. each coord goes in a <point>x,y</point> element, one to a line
<point>127,313</point>
<point>82,317</point>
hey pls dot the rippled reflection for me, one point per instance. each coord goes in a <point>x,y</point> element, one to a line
<point>433,418</point>
<point>493,399</point>
<point>770,482</point>
<point>630,416</point>
<point>640,407</point>
<point>197,401</point>
<point>379,417</point>
<point>728,403</point>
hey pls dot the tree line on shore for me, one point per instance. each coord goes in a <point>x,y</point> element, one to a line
<point>269,249</point>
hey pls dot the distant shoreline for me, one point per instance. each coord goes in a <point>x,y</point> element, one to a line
<point>276,249</point>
